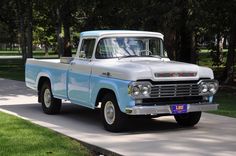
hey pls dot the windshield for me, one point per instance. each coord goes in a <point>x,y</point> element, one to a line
<point>118,47</point>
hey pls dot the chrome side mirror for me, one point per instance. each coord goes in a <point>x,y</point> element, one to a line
<point>82,54</point>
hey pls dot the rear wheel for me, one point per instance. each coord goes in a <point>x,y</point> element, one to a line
<point>188,119</point>
<point>50,105</point>
<point>113,119</point>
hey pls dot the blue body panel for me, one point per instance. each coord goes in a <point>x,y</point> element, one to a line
<point>57,77</point>
<point>119,87</point>
<point>81,88</point>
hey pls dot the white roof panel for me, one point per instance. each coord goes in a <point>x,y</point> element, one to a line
<point>99,33</point>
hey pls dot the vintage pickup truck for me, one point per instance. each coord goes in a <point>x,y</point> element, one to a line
<point>125,73</point>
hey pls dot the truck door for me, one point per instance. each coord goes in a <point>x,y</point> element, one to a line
<point>79,74</point>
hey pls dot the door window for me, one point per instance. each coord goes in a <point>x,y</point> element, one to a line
<point>87,48</point>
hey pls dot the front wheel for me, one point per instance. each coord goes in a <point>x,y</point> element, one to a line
<point>50,105</point>
<point>188,119</point>
<point>113,119</point>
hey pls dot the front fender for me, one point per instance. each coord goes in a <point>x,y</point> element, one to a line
<point>119,87</point>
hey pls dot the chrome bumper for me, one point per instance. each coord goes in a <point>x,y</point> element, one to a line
<point>166,109</point>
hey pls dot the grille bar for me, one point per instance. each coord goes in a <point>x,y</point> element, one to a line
<point>174,90</point>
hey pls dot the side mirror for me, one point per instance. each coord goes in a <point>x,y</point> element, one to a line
<point>82,54</point>
<point>165,53</point>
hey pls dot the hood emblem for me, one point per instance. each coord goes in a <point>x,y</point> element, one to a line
<point>176,74</point>
<point>108,74</point>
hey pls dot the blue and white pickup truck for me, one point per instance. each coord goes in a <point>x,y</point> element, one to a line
<point>125,73</point>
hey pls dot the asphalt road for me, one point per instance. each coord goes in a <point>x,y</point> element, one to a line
<point>214,135</point>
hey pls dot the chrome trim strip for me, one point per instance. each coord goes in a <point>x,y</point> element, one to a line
<point>165,109</point>
<point>176,74</point>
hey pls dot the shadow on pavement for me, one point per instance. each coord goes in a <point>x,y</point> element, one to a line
<point>214,135</point>
<point>76,117</point>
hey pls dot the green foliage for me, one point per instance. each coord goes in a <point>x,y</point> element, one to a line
<point>226,98</point>
<point>186,24</point>
<point>19,137</point>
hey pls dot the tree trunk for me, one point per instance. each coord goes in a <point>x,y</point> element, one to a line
<point>224,42</point>
<point>194,56</point>
<point>67,44</point>
<point>23,41</point>
<point>228,73</point>
<point>60,49</point>
<point>187,52</point>
<point>187,49</point>
<point>170,39</point>
<point>21,29</point>
<point>46,48</point>
<point>219,49</point>
<point>66,20</point>
<point>29,29</point>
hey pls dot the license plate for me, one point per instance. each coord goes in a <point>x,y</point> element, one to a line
<point>179,108</point>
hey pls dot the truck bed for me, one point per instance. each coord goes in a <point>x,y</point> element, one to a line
<point>36,68</point>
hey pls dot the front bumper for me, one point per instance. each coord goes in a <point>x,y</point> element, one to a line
<point>166,109</point>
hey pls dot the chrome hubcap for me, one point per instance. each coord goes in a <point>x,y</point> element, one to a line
<point>47,98</point>
<point>109,112</point>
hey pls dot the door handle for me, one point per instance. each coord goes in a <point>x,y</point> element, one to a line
<point>108,74</point>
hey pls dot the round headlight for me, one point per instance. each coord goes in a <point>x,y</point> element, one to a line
<point>136,90</point>
<point>212,88</point>
<point>140,89</point>
<point>204,88</point>
<point>209,87</point>
<point>146,90</point>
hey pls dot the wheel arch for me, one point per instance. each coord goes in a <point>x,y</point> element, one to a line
<point>101,93</point>
<point>118,87</point>
<point>41,81</point>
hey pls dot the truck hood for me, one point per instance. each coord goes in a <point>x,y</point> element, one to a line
<point>154,69</point>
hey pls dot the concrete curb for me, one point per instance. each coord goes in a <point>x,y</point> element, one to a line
<point>95,149</point>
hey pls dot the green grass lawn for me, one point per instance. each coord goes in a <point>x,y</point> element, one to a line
<point>20,137</point>
<point>227,100</point>
<point>205,50</point>
<point>12,69</point>
<point>205,59</point>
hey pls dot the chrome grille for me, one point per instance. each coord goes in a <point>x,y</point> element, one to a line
<point>174,90</point>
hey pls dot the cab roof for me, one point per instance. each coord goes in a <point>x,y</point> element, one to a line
<point>100,33</point>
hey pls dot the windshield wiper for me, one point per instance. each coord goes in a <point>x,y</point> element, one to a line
<point>156,56</point>
<point>127,56</point>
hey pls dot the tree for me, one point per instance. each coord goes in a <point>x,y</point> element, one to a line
<point>29,21</point>
<point>24,15</point>
<point>228,73</point>
<point>60,13</point>
<point>215,16</point>
<point>8,24</point>
<point>183,22</point>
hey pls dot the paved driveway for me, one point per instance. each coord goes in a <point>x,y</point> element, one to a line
<point>214,135</point>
